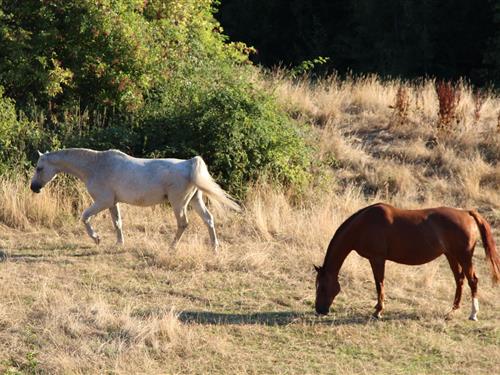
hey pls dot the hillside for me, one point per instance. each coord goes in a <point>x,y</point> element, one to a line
<point>67,306</point>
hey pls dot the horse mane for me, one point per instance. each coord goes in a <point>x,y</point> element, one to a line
<point>341,229</point>
<point>117,152</point>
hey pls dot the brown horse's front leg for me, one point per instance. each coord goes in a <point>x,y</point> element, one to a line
<point>378,268</point>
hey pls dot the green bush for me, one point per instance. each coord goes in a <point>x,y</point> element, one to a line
<point>240,132</point>
<point>154,78</point>
<point>18,136</point>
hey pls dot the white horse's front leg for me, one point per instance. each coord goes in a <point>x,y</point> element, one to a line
<point>87,214</point>
<point>117,223</point>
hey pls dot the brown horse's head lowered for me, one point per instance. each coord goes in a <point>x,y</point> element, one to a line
<point>381,232</point>
<point>327,288</point>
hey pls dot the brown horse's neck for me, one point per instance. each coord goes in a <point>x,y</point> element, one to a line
<point>339,247</point>
<point>335,255</point>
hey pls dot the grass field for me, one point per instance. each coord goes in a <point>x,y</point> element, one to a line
<point>68,306</point>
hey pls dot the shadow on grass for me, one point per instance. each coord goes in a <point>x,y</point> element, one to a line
<point>57,254</point>
<point>41,258</point>
<point>259,318</point>
<point>284,318</point>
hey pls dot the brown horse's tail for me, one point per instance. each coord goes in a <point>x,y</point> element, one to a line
<point>489,245</point>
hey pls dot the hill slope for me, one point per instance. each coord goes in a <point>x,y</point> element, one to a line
<point>67,306</point>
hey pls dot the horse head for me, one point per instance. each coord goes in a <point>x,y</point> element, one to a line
<point>327,288</point>
<point>44,173</point>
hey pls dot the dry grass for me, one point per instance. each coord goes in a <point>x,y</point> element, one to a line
<point>67,306</point>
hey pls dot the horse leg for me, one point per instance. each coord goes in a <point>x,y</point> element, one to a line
<point>179,202</point>
<point>202,210</point>
<point>473,281</point>
<point>459,280</point>
<point>94,209</point>
<point>117,222</point>
<point>182,224</point>
<point>378,268</point>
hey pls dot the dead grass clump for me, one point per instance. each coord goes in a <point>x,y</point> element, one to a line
<point>479,98</point>
<point>59,204</point>
<point>448,96</point>
<point>401,106</point>
<point>104,331</point>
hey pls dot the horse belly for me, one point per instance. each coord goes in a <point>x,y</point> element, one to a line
<point>414,254</point>
<point>142,198</point>
<point>412,241</point>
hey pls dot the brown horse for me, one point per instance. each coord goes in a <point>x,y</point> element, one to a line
<point>381,232</point>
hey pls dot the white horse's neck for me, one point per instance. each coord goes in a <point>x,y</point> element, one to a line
<point>78,162</point>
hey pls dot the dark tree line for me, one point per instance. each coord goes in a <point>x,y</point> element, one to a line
<point>407,38</point>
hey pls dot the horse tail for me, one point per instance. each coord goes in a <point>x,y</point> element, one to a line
<point>202,180</point>
<point>488,244</point>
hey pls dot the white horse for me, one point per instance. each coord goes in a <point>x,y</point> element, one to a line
<point>112,177</point>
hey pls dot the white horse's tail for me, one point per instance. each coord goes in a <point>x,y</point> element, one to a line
<point>203,181</point>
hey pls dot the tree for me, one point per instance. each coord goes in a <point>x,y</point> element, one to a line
<point>152,78</point>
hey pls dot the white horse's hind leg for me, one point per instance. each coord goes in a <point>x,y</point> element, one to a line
<point>179,201</point>
<point>182,224</point>
<point>117,223</point>
<point>206,216</point>
<point>87,214</point>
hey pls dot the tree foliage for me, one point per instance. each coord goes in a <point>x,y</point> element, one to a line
<point>153,78</point>
<point>410,38</point>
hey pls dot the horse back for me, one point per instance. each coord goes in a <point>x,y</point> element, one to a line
<point>413,236</point>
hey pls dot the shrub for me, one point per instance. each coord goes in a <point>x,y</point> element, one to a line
<point>18,136</point>
<point>401,106</point>
<point>240,133</point>
<point>448,97</point>
<point>152,78</point>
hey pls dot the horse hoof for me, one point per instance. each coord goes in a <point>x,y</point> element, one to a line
<point>377,316</point>
<point>97,240</point>
<point>449,315</point>
<point>473,318</point>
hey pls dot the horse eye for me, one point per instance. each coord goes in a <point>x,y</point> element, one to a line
<point>39,169</point>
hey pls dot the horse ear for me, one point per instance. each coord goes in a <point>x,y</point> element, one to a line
<point>39,153</point>
<point>317,268</point>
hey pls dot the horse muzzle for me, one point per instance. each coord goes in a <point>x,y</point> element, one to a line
<point>322,311</point>
<point>35,187</point>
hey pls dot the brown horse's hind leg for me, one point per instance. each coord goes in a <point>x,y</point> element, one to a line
<point>459,280</point>
<point>378,268</point>
<point>473,281</point>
